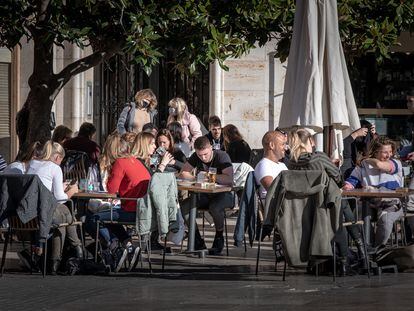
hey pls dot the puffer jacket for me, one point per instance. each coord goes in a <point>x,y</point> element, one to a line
<point>158,208</point>
<point>305,206</point>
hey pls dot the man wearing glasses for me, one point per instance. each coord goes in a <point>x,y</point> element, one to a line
<point>268,168</point>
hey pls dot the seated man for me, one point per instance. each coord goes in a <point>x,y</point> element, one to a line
<point>202,159</point>
<point>268,168</point>
<point>83,142</point>
<point>215,134</point>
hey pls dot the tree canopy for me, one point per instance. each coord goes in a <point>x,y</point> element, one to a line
<point>194,32</point>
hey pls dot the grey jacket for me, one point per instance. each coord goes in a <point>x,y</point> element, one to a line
<point>158,208</point>
<point>127,116</point>
<point>26,196</point>
<point>305,206</point>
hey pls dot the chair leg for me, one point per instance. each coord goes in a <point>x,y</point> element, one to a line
<point>3,259</point>
<point>403,233</point>
<point>82,240</point>
<point>334,262</point>
<point>245,243</point>
<point>284,271</point>
<point>258,250</point>
<point>365,250</point>
<point>204,223</point>
<point>149,252</point>
<point>225,231</point>
<point>140,257</point>
<point>44,258</point>
<point>96,241</point>
<point>163,254</point>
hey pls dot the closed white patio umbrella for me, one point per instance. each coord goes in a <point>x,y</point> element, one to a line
<point>317,91</point>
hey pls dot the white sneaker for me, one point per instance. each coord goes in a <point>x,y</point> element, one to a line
<point>134,259</point>
<point>121,255</point>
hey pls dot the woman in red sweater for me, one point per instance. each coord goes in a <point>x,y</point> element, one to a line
<point>129,178</point>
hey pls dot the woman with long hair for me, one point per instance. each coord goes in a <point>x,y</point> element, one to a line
<point>178,112</point>
<point>47,167</point>
<point>379,169</point>
<point>176,131</point>
<point>234,144</point>
<point>302,157</point>
<point>26,153</point>
<point>128,177</point>
<point>146,151</point>
<point>165,140</point>
<point>140,112</point>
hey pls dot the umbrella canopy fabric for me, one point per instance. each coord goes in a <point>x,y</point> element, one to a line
<point>317,91</point>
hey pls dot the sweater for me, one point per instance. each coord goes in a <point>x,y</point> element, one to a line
<point>317,161</point>
<point>130,179</point>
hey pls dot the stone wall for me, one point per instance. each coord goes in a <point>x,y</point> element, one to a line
<point>249,95</point>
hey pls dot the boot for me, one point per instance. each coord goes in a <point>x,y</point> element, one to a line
<point>199,243</point>
<point>55,266</point>
<point>360,247</point>
<point>79,251</point>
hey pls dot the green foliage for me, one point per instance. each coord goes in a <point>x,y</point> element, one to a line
<point>195,32</point>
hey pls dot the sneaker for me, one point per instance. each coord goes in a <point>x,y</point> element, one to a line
<point>134,258</point>
<point>120,256</point>
<point>25,258</point>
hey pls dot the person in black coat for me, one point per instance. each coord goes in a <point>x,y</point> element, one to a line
<point>234,144</point>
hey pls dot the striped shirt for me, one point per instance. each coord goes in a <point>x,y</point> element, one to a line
<point>317,161</point>
<point>367,175</point>
<point>3,163</point>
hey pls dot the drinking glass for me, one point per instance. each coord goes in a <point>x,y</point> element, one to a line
<point>212,173</point>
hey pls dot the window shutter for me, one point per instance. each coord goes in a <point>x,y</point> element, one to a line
<point>4,100</point>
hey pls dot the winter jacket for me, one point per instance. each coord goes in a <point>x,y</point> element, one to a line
<point>127,116</point>
<point>158,208</point>
<point>305,206</point>
<point>191,128</point>
<point>26,196</point>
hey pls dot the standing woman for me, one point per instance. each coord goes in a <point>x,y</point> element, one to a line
<point>178,111</point>
<point>47,167</point>
<point>235,146</point>
<point>138,113</point>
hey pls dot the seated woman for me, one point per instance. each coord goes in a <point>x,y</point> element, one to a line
<point>380,170</point>
<point>47,167</point>
<point>25,154</point>
<point>127,176</point>
<point>145,151</point>
<point>164,139</point>
<point>302,157</point>
<point>235,146</point>
<point>176,131</point>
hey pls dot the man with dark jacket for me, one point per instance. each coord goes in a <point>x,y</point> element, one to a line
<point>215,135</point>
<point>83,142</point>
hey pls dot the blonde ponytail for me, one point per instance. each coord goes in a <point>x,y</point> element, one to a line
<point>298,140</point>
<point>51,148</point>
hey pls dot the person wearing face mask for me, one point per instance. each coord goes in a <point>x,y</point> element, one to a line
<point>136,114</point>
<point>178,112</point>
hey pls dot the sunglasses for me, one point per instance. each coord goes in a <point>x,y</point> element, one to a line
<point>280,131</point>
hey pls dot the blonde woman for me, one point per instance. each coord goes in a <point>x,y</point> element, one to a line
<point>178,112</point>
<point>145,150</point>
<point>136,114</point>
<point>47,167</point>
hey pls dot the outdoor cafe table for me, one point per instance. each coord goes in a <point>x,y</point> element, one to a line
<point>95,195</point>
<point>374,193</point>
<point>193,189</point>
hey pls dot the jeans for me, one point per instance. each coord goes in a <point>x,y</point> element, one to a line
<point>61,215</point>
<point>110,230</point>
<point>215,203</point>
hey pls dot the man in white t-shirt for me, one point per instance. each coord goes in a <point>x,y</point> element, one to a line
<point>268,168</point>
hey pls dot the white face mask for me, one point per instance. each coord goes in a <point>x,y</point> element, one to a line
<point>172,111</point>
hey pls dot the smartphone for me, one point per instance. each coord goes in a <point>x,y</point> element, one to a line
<point>161,151</point>
<point>71,183</point>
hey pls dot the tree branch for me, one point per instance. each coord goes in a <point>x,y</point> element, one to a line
<point>81,65</point>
